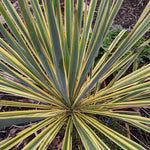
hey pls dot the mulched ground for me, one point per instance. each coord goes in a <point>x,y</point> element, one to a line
<point>127,17</point>
<point>129,13</point>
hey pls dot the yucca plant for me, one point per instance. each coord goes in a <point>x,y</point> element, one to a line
<point>50,59</point>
